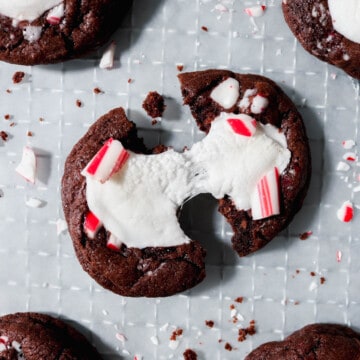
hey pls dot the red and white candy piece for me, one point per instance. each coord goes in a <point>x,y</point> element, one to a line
<point>346,212</point>
<point>350,156</point>
<point>91,225</point>
<point>348,144</point>
<point>107,59</point>
<point>256,11</point>
<point>107,161</point>
<point>265,200</point>
<point>243,125</point>
<point>27,166</point>
<point>226,93</point>
<point>4,341</point>
<point>55,15</point>
<point>259,104</point>
<point>113,243</point>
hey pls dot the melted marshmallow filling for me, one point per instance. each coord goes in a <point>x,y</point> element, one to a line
<point>139,204</point>
<point>345,16</point>
<point>29,10</point>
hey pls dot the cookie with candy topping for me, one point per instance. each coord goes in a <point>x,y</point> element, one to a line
<point>34,336</point>
<point>121,200</point>
<point>50,31</point>
<point>328,29</point>
<point>316,341</point>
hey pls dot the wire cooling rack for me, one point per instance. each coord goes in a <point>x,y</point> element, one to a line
<point>283,287</point>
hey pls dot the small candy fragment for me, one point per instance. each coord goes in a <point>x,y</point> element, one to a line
<point>338,256</point>
<point>32,33</point>
<point>91,225</point>
<point>121,337</point>
<point>113,243</point>
<point>34,202</point>
<point>61,226</point>
<point>348,144</point>
<point>107,59</point>
<point>265,200</point>
<point>346,212</point>
<point>226,93</point>
<point>107,161</point>
<point>244,125</point>
<point>55,15</point>
<point>256,11</point>
<point>342,166</point>
<point>259,104</point>
<point>27,166</point>
<point>350,156</point>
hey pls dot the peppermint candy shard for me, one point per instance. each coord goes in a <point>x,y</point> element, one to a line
<point>113,243</point>
<point>55,15</point>
<point>107,59</point>
<point>244,125</point>
<point>107,161</point>
<point>91,225</point>
<point>27,166</point>
<point>265,200</point>
<point>255,11</point>
<point>346,212</point>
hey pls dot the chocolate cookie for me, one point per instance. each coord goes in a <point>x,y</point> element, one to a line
<point>33,336</point>
<point>121,202</point>
<point>328,29</point>
<point>316,341</point>
<point>49,31</point>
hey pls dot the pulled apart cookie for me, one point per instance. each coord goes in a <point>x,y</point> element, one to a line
<point>121,200</point>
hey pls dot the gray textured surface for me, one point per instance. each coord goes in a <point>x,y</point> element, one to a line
<point>38,269</point>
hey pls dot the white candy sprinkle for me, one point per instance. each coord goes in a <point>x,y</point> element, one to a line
<point>313,286</point>
<point>61,226</point>
<point>107,59</point>
<point>356,188</point>
<point>34,202</point>
<point>121,337</point>
<point>173,344</point>
<point>255,11</point>
<point>32,33</point>
<point>154,340</point>
<point>341,166</point>
<point>27,166</point>
<point>348,144</point>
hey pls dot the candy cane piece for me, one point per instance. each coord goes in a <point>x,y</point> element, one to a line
<point>259,104</point>
<point>27,166</point>
<point>113,243</point>
<point>107,59</point>
<point>346,212</point>
<point>107,161</point>
<point>91,225</point>
<point>55,15</point>
<point>265,200</point>
<point>256,11</point>
<point>244,125</point>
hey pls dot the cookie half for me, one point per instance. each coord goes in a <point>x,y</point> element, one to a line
<point>327,29</point>
<point>34,336</point>
<point>43,32</point>
<point>316,341</point>
<point>122,211</point>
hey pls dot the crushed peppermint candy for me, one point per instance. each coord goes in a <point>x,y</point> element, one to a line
<point>107,59</point>
<point>113,243</point>
<point>255,11</point>
<point>346,212</point>
<point>243,125</point>
<point>226,93</point>
<point>32,33</point>
<point>27,166</point>
<point>91,225</point>
<point>55,15</point>
<point>121,337</point>
<point>338,256</point>
<point>350,156</point>
<point>154,340</point>
<point>342,166</point>
<point>34,202</point>
<point>348,144</point>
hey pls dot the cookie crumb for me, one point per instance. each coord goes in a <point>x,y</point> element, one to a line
<point>18,77</point>
<point>228,347</point>
<point>154,104</point>
<point>204,28</point>
<point>12,124</point>
<point>322,280</point>
<point>312,273</point>
<point>239,299</point>
<point>154,122</point>
<point>98,91</point>
<point>130,80</point>
<point>79,103</point>
<point>3,135</point>
<point>190,355</point>
<point>8,91</point>
<point>209,323</point>
<point>175,334</point>
<point>30,133</point>
<point>250,330</point>
<point>305,235</point>
<point>7,116</point>
<point>41,119</point>
<point>180,67</point>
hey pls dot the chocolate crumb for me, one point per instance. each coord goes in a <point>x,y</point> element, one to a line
<point>30,133</point>
<point>180,67</point>
<point>154,122</point>
<point>297,271</point>
<point>18,77</point>
<point>12,124</point>
<point>175,334</point>
<point>190,355</point>
<point>312,273</point>
<point>250,330</point>
<point>228,347</point>
<point>204,28</point>
<point>220,341</point>
<point>296,302</point>
<point>154,104</point>
<point>322,280</point>
<point>232,307</point>
<point>78,103</point>
<point>41,119</point>
<point>305,235</point>
<point>8,91</point>
<point>98,91</point>
<point>130,81</point>
<point>209,323</point>
<point>4,136</point>
<point>239,299</point>
<point>7,116</point>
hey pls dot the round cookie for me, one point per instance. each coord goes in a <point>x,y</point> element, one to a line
<point>34,336</point>
<point>328,29</point>
<point>50,31</point>
<point>125,254</point>
<point>316,341</point>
